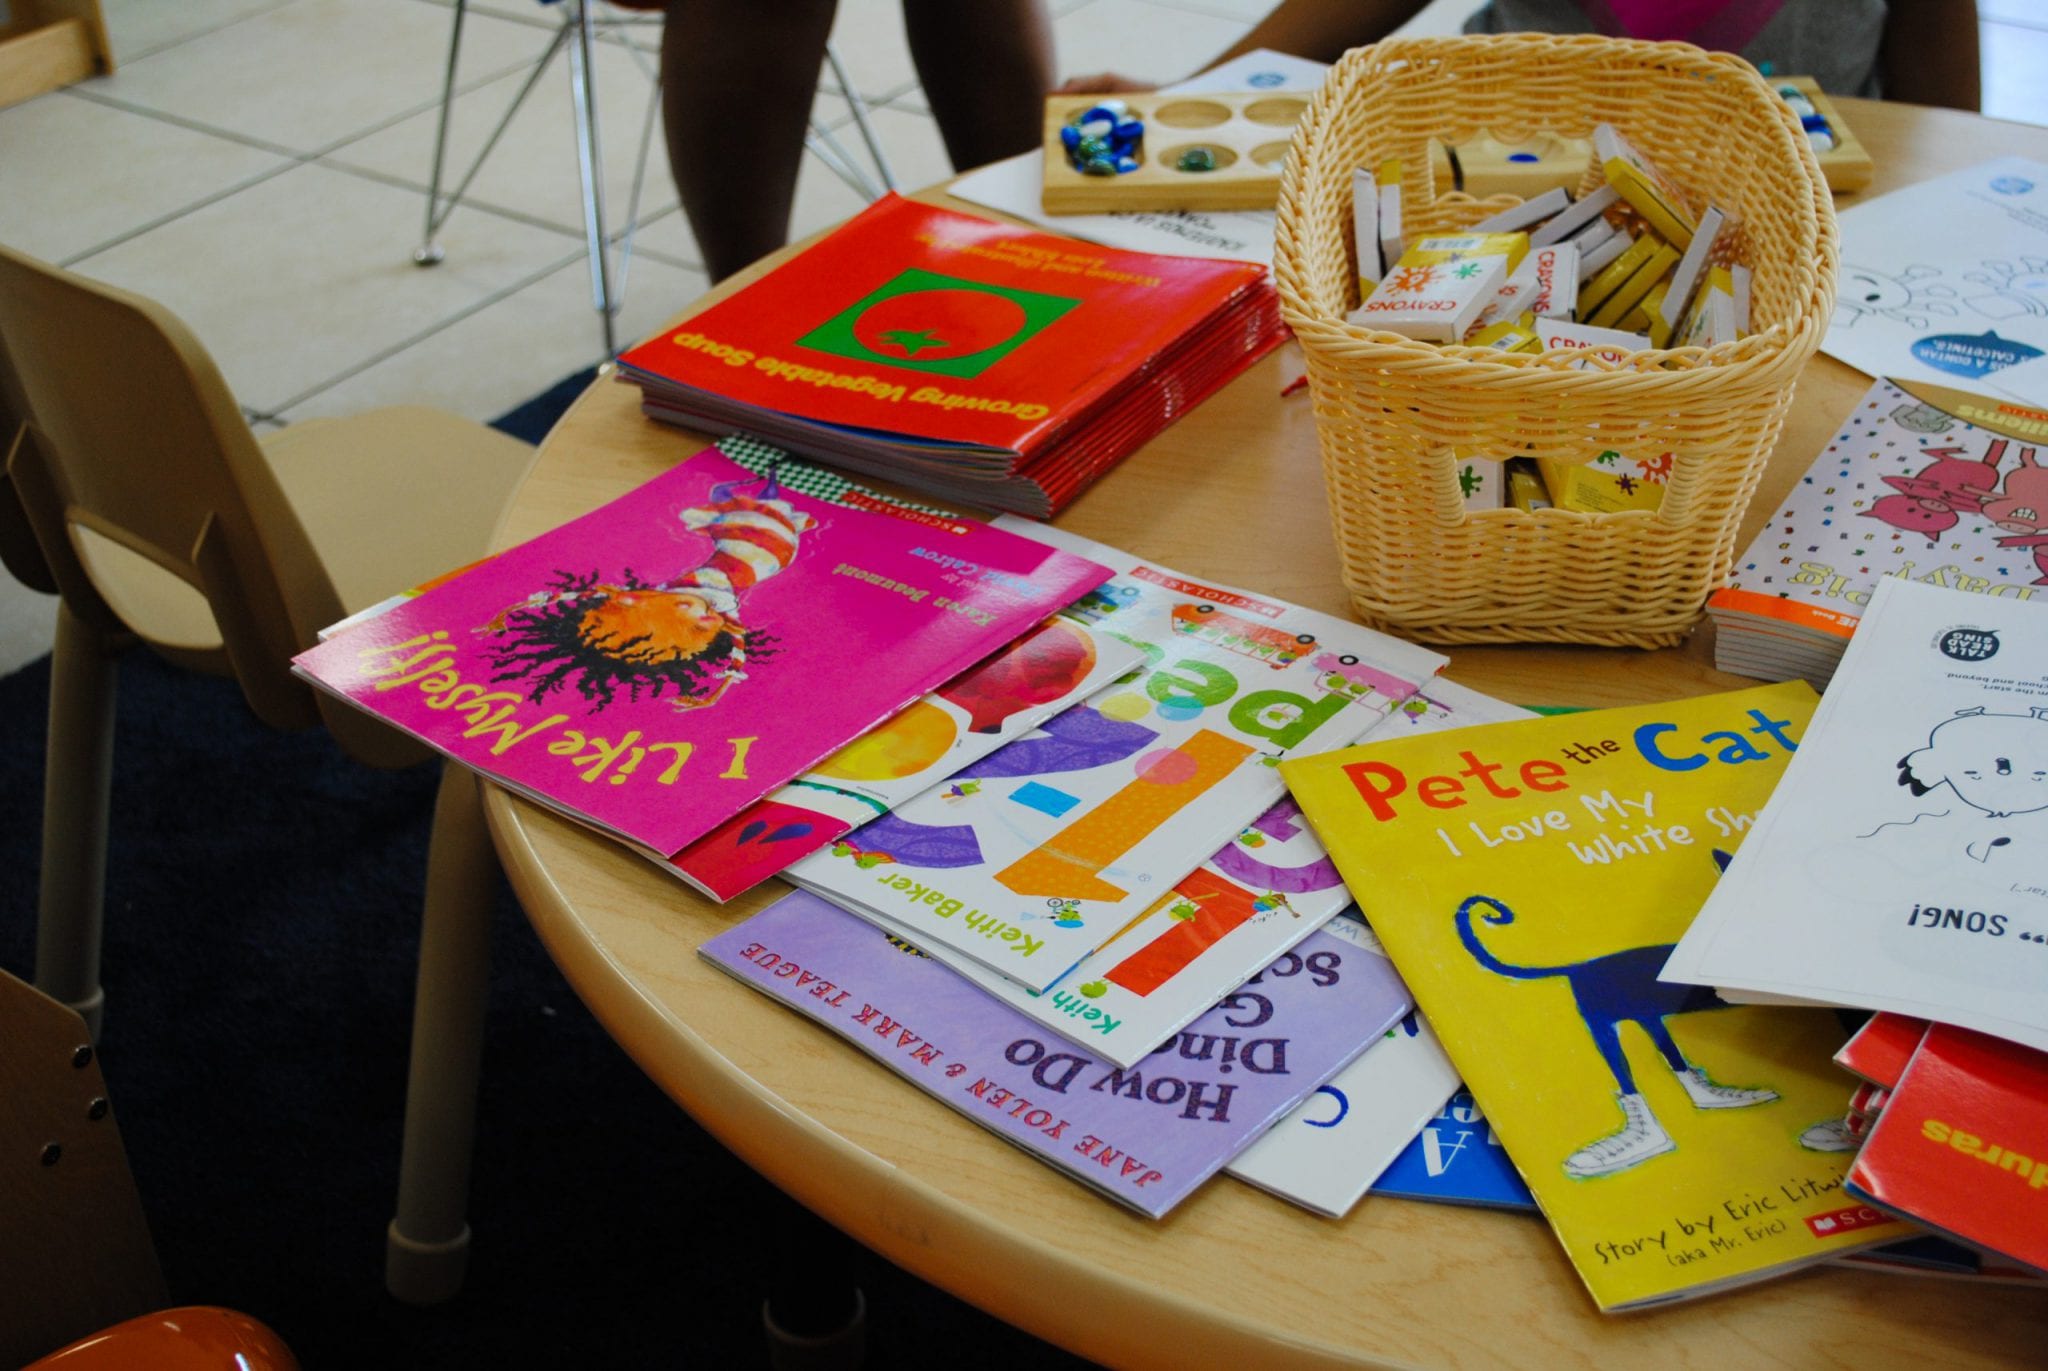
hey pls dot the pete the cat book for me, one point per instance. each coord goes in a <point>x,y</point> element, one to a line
<point>660,663</point>
<point>1529,880</point>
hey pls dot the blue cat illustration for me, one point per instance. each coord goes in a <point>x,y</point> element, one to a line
<point>1619,988</point>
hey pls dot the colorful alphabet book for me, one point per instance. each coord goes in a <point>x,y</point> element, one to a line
<point>997,699</point>
<point>1145,1136</point>
<point>1258,895</point>
<point>1456,1158</point>
<point>1076,829</point>
<point>1962,1146</point>
<point>1325,1154</point>
<point>659,664</point>
<point>977,360</point>
<point>1899,865</point>
<point>1529,880</point>
<point>1923,483</point>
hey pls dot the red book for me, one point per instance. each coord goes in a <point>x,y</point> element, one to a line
<point>1962,1144</point>
<point>976,360</point>
<point>1879,1051</point>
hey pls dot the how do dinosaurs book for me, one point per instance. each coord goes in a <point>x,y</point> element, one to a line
<point>1072,831</point>
<point>660,663</point>
<point>1922,483</point>
<point>1898,866</point>
<point>1257,896</point>
<point>981,361</point>
<point>1145,1136</point>
<point>1529,880</point>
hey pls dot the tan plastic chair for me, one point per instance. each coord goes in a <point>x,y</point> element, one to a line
<point>157,516</point>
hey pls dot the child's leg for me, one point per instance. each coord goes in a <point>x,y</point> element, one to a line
<point>986,68</point>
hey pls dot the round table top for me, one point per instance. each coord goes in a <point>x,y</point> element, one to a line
<point>1231,492</point>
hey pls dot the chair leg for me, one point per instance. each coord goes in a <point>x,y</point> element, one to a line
<point>78,771</point>
<point>590,165</point>
<point>427,1246</point>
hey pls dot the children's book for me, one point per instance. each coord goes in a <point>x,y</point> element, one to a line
<point>1962,1145</point>
<point>659,664</point>
<point>1324,1155</point>
<point>1076,829</point>
<point>978,360</point>
<point>1529,879</point>
<point>1898,866</point>
<point>1145,1136</point>
<point>997,699</point>
<point>1878,1051</point>
<point>1457,1158</point>
<point>1922,483</point>
<point>1256,897</point>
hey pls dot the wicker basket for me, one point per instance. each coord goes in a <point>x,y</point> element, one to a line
<point>1390,412</point>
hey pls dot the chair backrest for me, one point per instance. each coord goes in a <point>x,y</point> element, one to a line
<point>77,1254</point>
<point>131,455</point>
<point>18,550</point>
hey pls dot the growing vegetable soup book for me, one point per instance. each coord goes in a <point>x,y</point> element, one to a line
<point>925,338</point>
<point>1075,829</point>
<point>1145,1136</point>
<point>1529,880</point>
<point>658,664</point>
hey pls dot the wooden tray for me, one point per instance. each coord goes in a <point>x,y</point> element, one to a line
<point>1247,131</point>
<point>1846,166</point>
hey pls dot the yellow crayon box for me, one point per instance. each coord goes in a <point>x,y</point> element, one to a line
<point>1608,484</point>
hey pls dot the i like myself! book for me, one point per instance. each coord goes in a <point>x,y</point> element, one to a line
<point>1529,880</point>
<point>658,664</point>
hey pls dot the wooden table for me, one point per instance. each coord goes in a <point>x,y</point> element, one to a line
<point>1232,1277</point>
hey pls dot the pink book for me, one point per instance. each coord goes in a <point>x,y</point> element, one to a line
<point>662,662</point>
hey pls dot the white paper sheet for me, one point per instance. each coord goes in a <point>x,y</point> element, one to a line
<point>1947,281</point>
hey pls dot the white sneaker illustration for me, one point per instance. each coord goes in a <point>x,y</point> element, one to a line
<point>1707,1095</point>
<point>1829,1135</point>
<point>1640,1139</point>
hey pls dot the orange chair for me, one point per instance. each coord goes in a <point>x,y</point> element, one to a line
<point>135,488</point>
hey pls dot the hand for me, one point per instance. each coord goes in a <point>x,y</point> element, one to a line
<point>1101,83</point>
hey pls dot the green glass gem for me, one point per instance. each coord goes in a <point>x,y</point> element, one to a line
<point>1197,159</point>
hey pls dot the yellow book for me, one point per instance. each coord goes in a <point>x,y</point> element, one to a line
<point>1529,880</point>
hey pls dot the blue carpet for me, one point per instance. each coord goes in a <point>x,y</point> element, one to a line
<point>261,930</point>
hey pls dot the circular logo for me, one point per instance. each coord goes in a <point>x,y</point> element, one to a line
<point>938,325</point>
<point>1264,80</point>
<point>2012,185</point>
<point>1969,644</point>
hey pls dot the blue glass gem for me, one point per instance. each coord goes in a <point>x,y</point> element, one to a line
<point>1070,137</point>
<point>1126,164</point>
<point>1128,130</point>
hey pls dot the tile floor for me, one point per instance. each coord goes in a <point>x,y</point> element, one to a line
<point>261,167</point>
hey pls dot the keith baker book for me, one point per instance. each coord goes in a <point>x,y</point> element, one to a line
<point>988,363</point>
<point>1529,880</point>
<point>1145,1136</point>
<point>662,662</point>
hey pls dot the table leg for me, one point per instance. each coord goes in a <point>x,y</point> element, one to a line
<point>427,1246</point>
<point>815,1317</point>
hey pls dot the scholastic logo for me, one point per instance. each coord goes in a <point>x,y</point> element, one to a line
<point>1844,1220</point>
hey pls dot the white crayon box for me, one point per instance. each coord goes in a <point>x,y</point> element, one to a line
<point>1440,285</point>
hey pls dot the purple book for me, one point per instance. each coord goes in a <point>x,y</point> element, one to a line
<point>1146,1136</point>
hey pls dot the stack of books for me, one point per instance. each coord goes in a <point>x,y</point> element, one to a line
<point>1923,482</point>
<point>1897,869</point>
<point>980,362</point>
